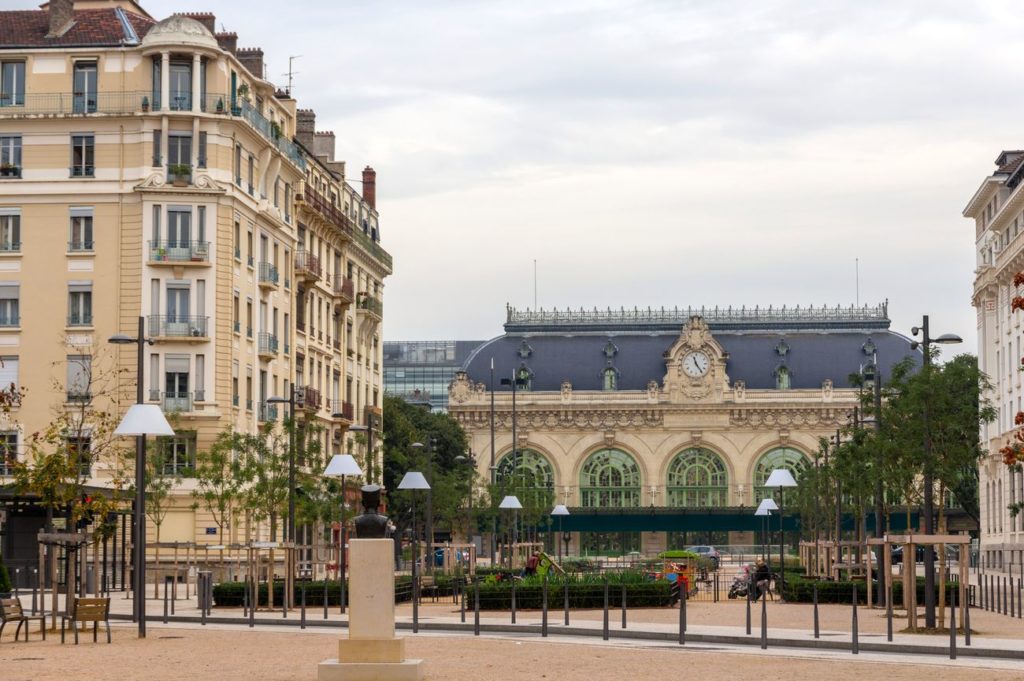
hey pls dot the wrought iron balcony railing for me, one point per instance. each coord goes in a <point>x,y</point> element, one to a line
<point>179,251</point>
<point>307,264</point>
<point>267,343</point>
<point>268,274</point>
<point>178,326</point>
<point>267,412</point>
<point>307,397</point>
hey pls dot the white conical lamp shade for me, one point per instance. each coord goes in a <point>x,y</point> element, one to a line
<point>780,477</point>
<point>413,480</point>
<point>766,505</point>
<point>342,464</point>
<point>144,419</point>
<point>510,502</point>
<point>560,509</point>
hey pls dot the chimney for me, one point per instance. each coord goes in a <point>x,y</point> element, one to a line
<point>323,145</point>
<point>252,59</point>
<point>227,41</point>
<point>305,127</point>
<point>370,186</point>
<point>61,13</point>
<point>205,18</point>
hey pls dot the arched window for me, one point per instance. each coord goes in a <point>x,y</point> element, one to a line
<point>782,378</point>
<point>524,379</point>
<point>780,457</point>
<point>529,476</point>
<point>697,477</point>
<point>611,377</point>
<point>610,478</point>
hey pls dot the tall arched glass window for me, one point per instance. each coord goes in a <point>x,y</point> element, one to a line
<point>610,478</point>
<point>697,477</point>
<point>782,378</point>
<point>780,457</point>
<point>610,379</point>
<point>528,475</point>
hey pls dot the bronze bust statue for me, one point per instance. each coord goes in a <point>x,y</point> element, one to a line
<point>371,524</point>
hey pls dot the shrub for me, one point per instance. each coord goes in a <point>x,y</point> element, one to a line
<point>232,594</point>
<point>5,578</point>
<point>584,592</point>
<point>800,589</point>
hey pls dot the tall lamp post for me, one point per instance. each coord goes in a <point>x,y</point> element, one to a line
<point>368,429</point>
<point>493,470</point>
<point>927,475</point>
<point>340,466</point>
<point>469,460</point>
<point>412,481</point>
<point>781,478</point>
<point>144,423</point>
<point>511,502</point>
<point>290,401</point>
<point>514,383</point>
<point>764,511</point>
<point>560,511</point>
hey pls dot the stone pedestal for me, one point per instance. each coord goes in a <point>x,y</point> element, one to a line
<point>371,652</point>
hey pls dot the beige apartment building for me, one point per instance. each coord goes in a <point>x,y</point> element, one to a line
<point>147,168</point>
<point>997,209</point>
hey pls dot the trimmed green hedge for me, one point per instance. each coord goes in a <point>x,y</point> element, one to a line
<point>585,592</point>
<point>232,594</point>
<point>799,589</point>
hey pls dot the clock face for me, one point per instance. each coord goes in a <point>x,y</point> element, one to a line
<point>696,364</point>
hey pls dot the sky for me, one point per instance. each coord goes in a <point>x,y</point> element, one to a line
<point>650,153</point>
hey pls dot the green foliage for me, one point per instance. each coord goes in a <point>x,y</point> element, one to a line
<point>219,480</point>
<point>263,459</point>
<point>5,578</point>
<point>232,594</point>
<point>678,554</point>
<point>800,589</point>
<point>584,592</point>
<point>158,483</point>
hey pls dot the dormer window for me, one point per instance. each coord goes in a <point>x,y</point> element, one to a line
<point>782,349</point>
<point>610,379</point>
<point>524,350</point>
<point>782,378</point>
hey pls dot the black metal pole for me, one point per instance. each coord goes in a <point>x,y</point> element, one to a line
<point>415,572</point>
<point>291,471</point>
<point>927,489</point>
<point>494,518</point>
<point>513,600</point>
<point>782,541</point>
<point>888,608</point>
<point>342,553</point>
<point>764,622</point>
<point>302,615</point>
<point>544,610</point>
<point>817,631</point>
<point>952,625</point>
<point>750,588</point>
<point>476,607</point>
<point>967,621</point>
<point>682,614</point>
<point>565,592</point>
<point>623,604</point>
<point>604,630</point>
<point>326,599</point>
<point>140,491</point>
<point>855,643</point>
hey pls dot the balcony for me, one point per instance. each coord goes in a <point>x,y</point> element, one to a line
<point>319,203</point>
<point>179,253</point>
<point>307,398</point>
<point>267,412</point>
<point>80,319</point>
<point>179,174</point>
<point>267,345</point>
<point>175,402</point>
<point>271,133</point>
<point>342,410</point>
<point>307,266</point>
<point>268,276</point>
<point>178,327</point>
<point>80,246</point>
<point>373,248</point>
<point>118,102</point>
<point>371,306</point>
<point>344,289</point>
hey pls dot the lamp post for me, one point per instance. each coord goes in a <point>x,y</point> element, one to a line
<point>560,511</point>
<point>469,460</point>
<point>340,466</point>
<point>368,429</point>
<point>514,383</point>
<point>146,423</point>
<point>493,470</point>
<point>927,483</point>
<point>290,401</point>
<point>764,511</point>
<point>412,481</point>
<point>781,478</point>
<point>511,502</point>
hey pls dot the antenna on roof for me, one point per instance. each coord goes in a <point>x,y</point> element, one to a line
<point>535,283</point>
<point>291,71</point>
<point>856,268</point>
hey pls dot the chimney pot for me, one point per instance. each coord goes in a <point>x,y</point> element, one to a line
<point>370,187</point>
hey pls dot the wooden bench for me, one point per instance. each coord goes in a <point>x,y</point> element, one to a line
<point>93,610</point>
<point>11,611</point>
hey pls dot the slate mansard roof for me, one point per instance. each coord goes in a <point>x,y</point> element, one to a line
<point>814,344</point>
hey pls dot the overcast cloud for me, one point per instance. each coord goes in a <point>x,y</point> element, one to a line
<point>658,153</point>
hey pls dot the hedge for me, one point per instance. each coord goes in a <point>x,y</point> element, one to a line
<point>584,592</point>
<point>799,589</point>
<point>232,594</point>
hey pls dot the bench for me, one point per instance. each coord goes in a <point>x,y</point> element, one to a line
<point>11,611</point>
<point>93,610</point>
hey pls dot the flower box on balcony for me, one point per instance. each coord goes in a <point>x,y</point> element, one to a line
<point>180,174</point>
<point>9,170</point>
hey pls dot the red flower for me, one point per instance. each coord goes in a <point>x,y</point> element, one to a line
<point>1018,279</point>
<point>1017,304</point>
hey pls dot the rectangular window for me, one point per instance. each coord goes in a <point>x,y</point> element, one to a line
<point>179,227</point>
<point>238,240</point>
<point>10,230</point>
<point>179,154</point>
<point>235,314</point>
<point>80,303</point>
<point>287,203</point>
<point>178,454</point>
<point>176,381</point>
<point>12,83</point>
<point>83,152</point>
<point>10,156</point>
<point>8,451</point>
<point>200,381</point>
<point>156,149</point>
<point>79,448</point>
<point>177,302</point>
<point>9,372</point>
<point>84,83</point>
<point>248,318</point>
<point>238,164</point>
<point>180,92</point>
<point>80,237</point>
<point>234,383</point>
<point>9,295</point>
<point>249,247</point>
<point>252,172</point>
<point>202,150</point>
<point>79,378</point>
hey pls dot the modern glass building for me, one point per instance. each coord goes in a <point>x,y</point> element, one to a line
<point>420,371</point>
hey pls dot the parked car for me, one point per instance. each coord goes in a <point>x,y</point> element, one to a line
<point>897,554</point>
<point>708,552</point>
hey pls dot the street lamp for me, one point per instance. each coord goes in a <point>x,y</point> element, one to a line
<point>469,460</point>
<point>368,429</point>
<point>929,508</point>
<point>340,466</point>
<point>511,502</point>
<point>560,511</point>
<point>781,478</point>
<point>139,578</point>
<point>412,481</point>
<point>764,510</point>
<point>290,401</point>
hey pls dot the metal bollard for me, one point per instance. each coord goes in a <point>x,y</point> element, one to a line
<point>462,603</point>
<point>748,609</point>
<point>888,615</point>
<point>202,599</point>
<point>716,586</point>
<point>35,588</point>
<point>513,601</point>
<point>855,643</point>
<point>682,620</point>
<point>544,610</point>
<point>764,622</point>
<point>302,603</point>
<point>1020,593</point>
<point>17,580</point>
<point>245,598</point>
<point>604,631</point>
<point>966,617</point>
<point>952,626</point>
<point>165,601</point>
<point>623,606</point>
<point>817,631</point>
<point>476,607</point>
<point>254,601</point>
<point>325,597</point>
<point>565,591</point>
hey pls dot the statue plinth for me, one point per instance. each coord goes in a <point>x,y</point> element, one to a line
<point>371,652</point>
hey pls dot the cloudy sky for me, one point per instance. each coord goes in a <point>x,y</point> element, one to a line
<point>650,153</point>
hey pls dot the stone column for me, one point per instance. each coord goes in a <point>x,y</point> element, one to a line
<point>197,67</point>
<point>165,81</point>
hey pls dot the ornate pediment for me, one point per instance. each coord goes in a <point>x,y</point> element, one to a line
<point>695,365</point>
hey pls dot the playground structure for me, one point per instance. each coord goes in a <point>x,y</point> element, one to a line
<point>456,559</point>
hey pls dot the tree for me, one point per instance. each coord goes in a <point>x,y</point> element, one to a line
<point>263,458</point>
<point>159,480</point>
<point>219,480</point>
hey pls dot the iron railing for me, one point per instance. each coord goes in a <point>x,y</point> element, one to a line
<point>267,412</point>
<point>268,274</point>
<point>307,397</point>
<point>179,251</point>
<point>273,135</point>
<point>372,305</point>
<point>308,264</point>
<point>267,343</point>
<point>178,326</point>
